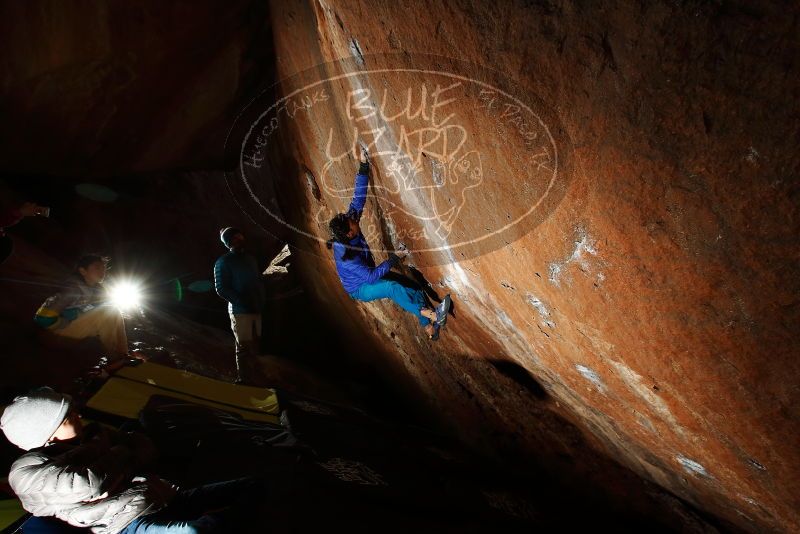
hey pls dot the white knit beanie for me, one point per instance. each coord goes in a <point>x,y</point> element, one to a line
<point>31,419</point>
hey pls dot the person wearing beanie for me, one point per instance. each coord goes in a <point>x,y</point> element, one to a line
<point>79,475</point>
<point>238,280</point>
<point>96,478</point>
<point>32,419</point>
<point>361,279</point>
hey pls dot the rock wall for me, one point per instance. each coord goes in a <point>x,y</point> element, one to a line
<point>99,88</point>
<point>626,258</point>
<point>609,193</point>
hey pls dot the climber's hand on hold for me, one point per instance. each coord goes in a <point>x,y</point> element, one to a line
<point>402,251</point>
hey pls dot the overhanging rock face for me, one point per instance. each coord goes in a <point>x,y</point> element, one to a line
<point>609,195</point>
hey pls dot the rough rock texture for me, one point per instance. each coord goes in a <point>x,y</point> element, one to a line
<point>643,311</point>
<point>112,88</point>
<point>653,300</point>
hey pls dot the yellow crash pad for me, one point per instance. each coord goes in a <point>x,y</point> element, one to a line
<point>126,398</point>
<point>251,398</point>
<point>10,512</point>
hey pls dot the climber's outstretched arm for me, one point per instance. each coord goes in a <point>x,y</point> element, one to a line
<point>360,193</point>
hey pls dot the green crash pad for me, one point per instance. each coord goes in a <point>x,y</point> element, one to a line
<point>11,511</point>
<point>127,392</point>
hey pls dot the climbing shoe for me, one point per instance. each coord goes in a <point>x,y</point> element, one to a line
<point>442,309</point>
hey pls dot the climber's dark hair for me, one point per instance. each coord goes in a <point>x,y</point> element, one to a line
<point>339,226</point>
<point>87,259</point>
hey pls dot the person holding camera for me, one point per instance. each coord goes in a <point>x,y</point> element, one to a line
<point>102,479</point>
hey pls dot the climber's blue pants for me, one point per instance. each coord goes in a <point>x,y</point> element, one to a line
<point>411,300</point>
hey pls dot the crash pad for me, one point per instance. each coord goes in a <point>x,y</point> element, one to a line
<point>11,512</point>
<point>263,400</point>
<point>126,398</point>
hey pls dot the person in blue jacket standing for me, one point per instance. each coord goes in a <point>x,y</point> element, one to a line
<point>361,279</point>
<point>237,279</point>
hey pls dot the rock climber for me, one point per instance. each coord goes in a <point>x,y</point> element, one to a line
<point>361,279</point>
<point>238,280</point>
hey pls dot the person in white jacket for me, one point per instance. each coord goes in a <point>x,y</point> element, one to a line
<point>96,478</point>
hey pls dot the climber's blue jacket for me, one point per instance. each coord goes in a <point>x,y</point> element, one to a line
<point>238,280</point>
<point>359,270</point>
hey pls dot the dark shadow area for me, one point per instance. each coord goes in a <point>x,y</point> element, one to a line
<point>405,281</point>
<point>6,248</point>
<point>569,472</point>
<point>423,283</point>
<point>515,372</point>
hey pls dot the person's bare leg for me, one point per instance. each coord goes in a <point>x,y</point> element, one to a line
<point>429,314</point>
